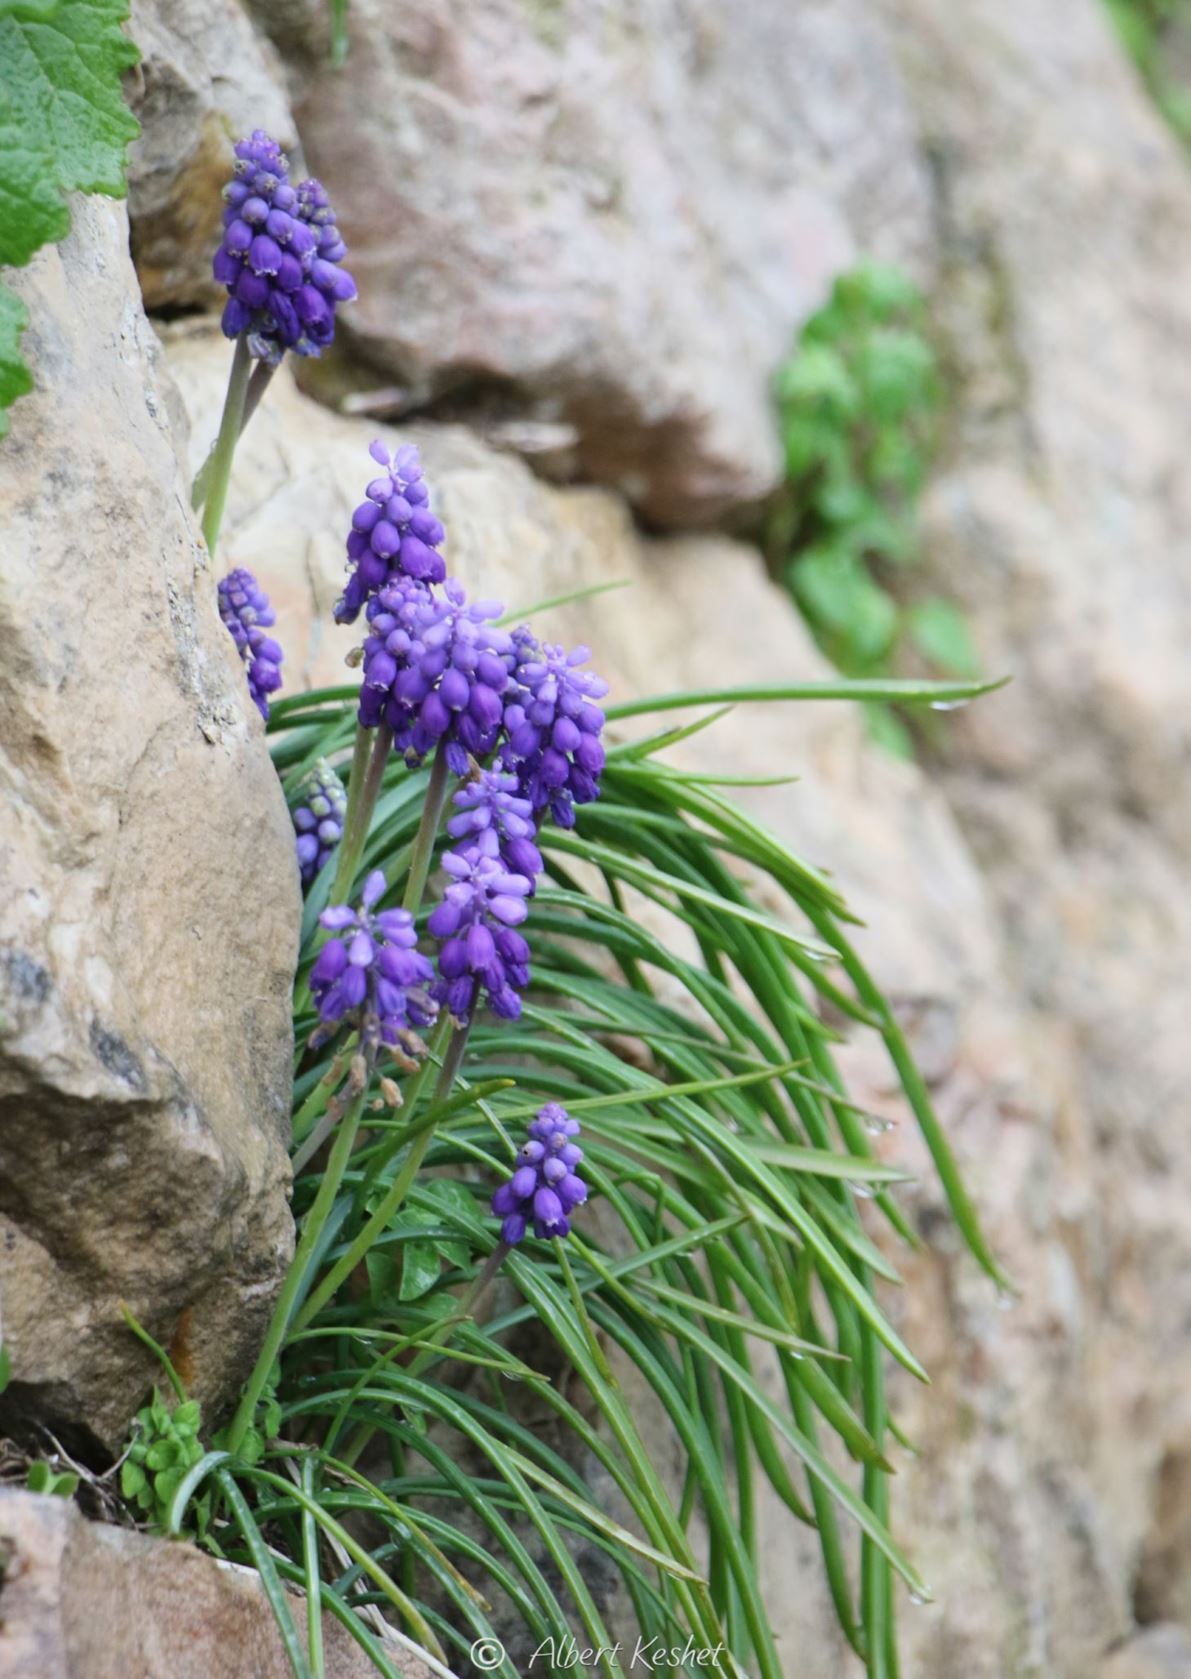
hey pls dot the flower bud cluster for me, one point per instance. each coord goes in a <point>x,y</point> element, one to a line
<point>545,1187</point>
<point>318,819</point>
<point>245,610</point>
<point>279,256</point>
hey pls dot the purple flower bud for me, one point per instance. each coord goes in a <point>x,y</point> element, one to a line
<point>402,534</point>
<point>475,961</point>
<point>541,1189</point>
<point>374,972</point>
<point>553,726</point>
<point>318,819</point>
<point>279,256</point>
<point>245,610</point>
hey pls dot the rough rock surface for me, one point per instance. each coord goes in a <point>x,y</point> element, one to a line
<point>205,77</point>
<point>83,1601</point>
<point>609,215</point>
<point>148,919</point>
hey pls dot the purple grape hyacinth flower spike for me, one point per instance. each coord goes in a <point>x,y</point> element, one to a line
<point>372,973</point>
<point>279,256</point>
<point>245,610</point>
<point>318,819</point>
<point>435,670</point>
<point>393,534</point>
<point>481,954</point>
<point>545,1187</point>
<point>554,726</point>
<point>492,816</point>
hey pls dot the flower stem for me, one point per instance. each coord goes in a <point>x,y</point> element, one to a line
<point>287,1300</point>
<point>257,386</point>
<point>369,759</point>
<point>396,1193</point>
<point>225,443</point>
<point>423,851</point>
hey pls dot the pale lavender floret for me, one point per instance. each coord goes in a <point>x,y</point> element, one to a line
<point>553,726</point>
<point>481,955</point>
<point>373,973</point>
<point>245,610</point>
<point>393,535</point>
<point>279,256</point>
<point>545,1187</point>
<point>497,822</point>
<point>434,670</point>
<point>318,820</point>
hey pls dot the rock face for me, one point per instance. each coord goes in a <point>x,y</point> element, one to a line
<point>81,1601</point>
<point>148,922</point>
<point>612,216</point>
<point>205,77</point>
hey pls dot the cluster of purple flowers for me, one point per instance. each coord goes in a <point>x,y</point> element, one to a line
<point>279,256</point>
<point>438,671</point>
<point>481,955</point>
<point>494,820</point>
<point>245,610</point>
<point>553,727</point>
<point>544,1189</point>
<point>393,534</point>
<point>318,819</point>
<point>373,973</point>
<point>434,670</point>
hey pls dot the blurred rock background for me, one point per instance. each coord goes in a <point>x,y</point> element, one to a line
<point>585,234</point>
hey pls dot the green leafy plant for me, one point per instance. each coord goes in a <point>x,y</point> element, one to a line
<point>45,1478</point>
<point>683,1024</point>
<point>857,404</point>
<point>1146,29</point>
<point>64,128</point>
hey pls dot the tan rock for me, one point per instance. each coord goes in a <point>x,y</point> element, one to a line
<point>148,921</point>
<point>84,1601</point>
<point>610,216</point>
<point>205,78</point>
<point>1160,1652</point>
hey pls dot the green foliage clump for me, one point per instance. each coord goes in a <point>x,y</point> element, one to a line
<point>858,408</point>
<point>64,127</point>
<point>165,1444</point>
<point>1146,29</point>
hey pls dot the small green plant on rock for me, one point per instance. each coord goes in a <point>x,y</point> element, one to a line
<point>1154,33</point>
<point>858,404</point>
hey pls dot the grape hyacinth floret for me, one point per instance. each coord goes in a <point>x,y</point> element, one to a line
<point>481,954</point>
<point>435,669</point>
<point>545,1188</point>
<point>244,608</point>
<point>318,820</point>
<point>279,256</point>
<point>497,822</point>
<point>554,727</point>
<point>393,534</point>
<point>372,973</point>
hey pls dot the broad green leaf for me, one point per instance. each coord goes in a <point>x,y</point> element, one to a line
<point>64,127</point>
<point>15,377</point>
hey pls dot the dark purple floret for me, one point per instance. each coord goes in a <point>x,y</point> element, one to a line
<point>244,608</point>
<point>318,820</point>
<point>435,669</point>
<point>279,256</point>
<point>481,954</point>
<point>393,534</point>
<point>545,1187</point>
<point>553,727</point>
<point>372,974</point>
